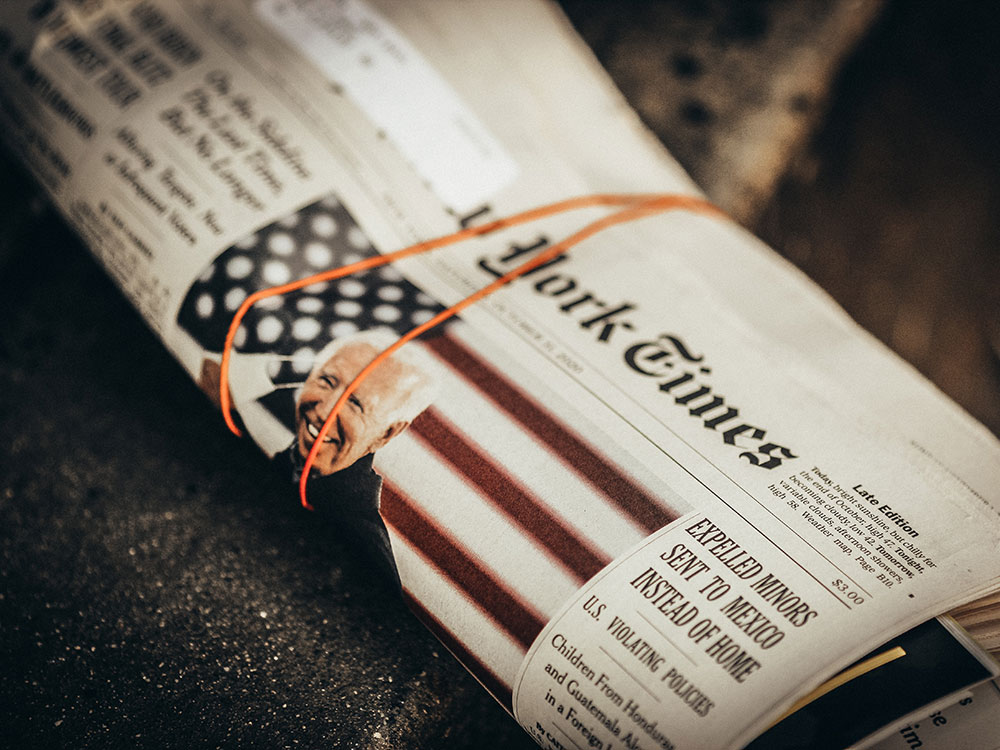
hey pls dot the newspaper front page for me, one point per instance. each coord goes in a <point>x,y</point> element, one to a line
<point>650,492</point>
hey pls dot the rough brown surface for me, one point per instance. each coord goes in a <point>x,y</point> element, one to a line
<point>733,89</point>
<point>893,208</point>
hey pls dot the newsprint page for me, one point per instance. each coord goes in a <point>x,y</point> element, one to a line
<point>651,492</point>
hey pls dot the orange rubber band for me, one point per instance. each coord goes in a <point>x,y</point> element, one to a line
<point>637,207</point>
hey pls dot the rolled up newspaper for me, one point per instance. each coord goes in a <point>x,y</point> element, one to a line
<point>650,492</point>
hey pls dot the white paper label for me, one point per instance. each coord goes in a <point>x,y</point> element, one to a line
<point>403,95</point>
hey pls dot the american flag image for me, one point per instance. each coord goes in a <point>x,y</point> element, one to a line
<point>320,236</point>
<point>500,500</point>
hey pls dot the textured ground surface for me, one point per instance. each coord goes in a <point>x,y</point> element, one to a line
<point>894,207</point>
<point>733,88</point>
<point>154,589</point>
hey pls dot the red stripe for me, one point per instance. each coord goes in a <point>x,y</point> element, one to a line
<point>504,491</point>
<point>440,550</point>
<point>489,680</point>
<point>642,507</point>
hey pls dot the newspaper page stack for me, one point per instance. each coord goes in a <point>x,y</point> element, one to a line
<point>651,492</point>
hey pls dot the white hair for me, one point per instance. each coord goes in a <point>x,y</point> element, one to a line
<point>422,383</point>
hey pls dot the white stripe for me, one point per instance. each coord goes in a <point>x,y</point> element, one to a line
<point>504,549</point>
<point>476,631</point>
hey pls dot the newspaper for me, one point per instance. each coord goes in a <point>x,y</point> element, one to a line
<point>649,493</point>
<point>967,724</point>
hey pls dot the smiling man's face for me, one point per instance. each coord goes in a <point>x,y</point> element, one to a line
<point>363,424</point>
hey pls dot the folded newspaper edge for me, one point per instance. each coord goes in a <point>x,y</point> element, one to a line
<point>651,492</point>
